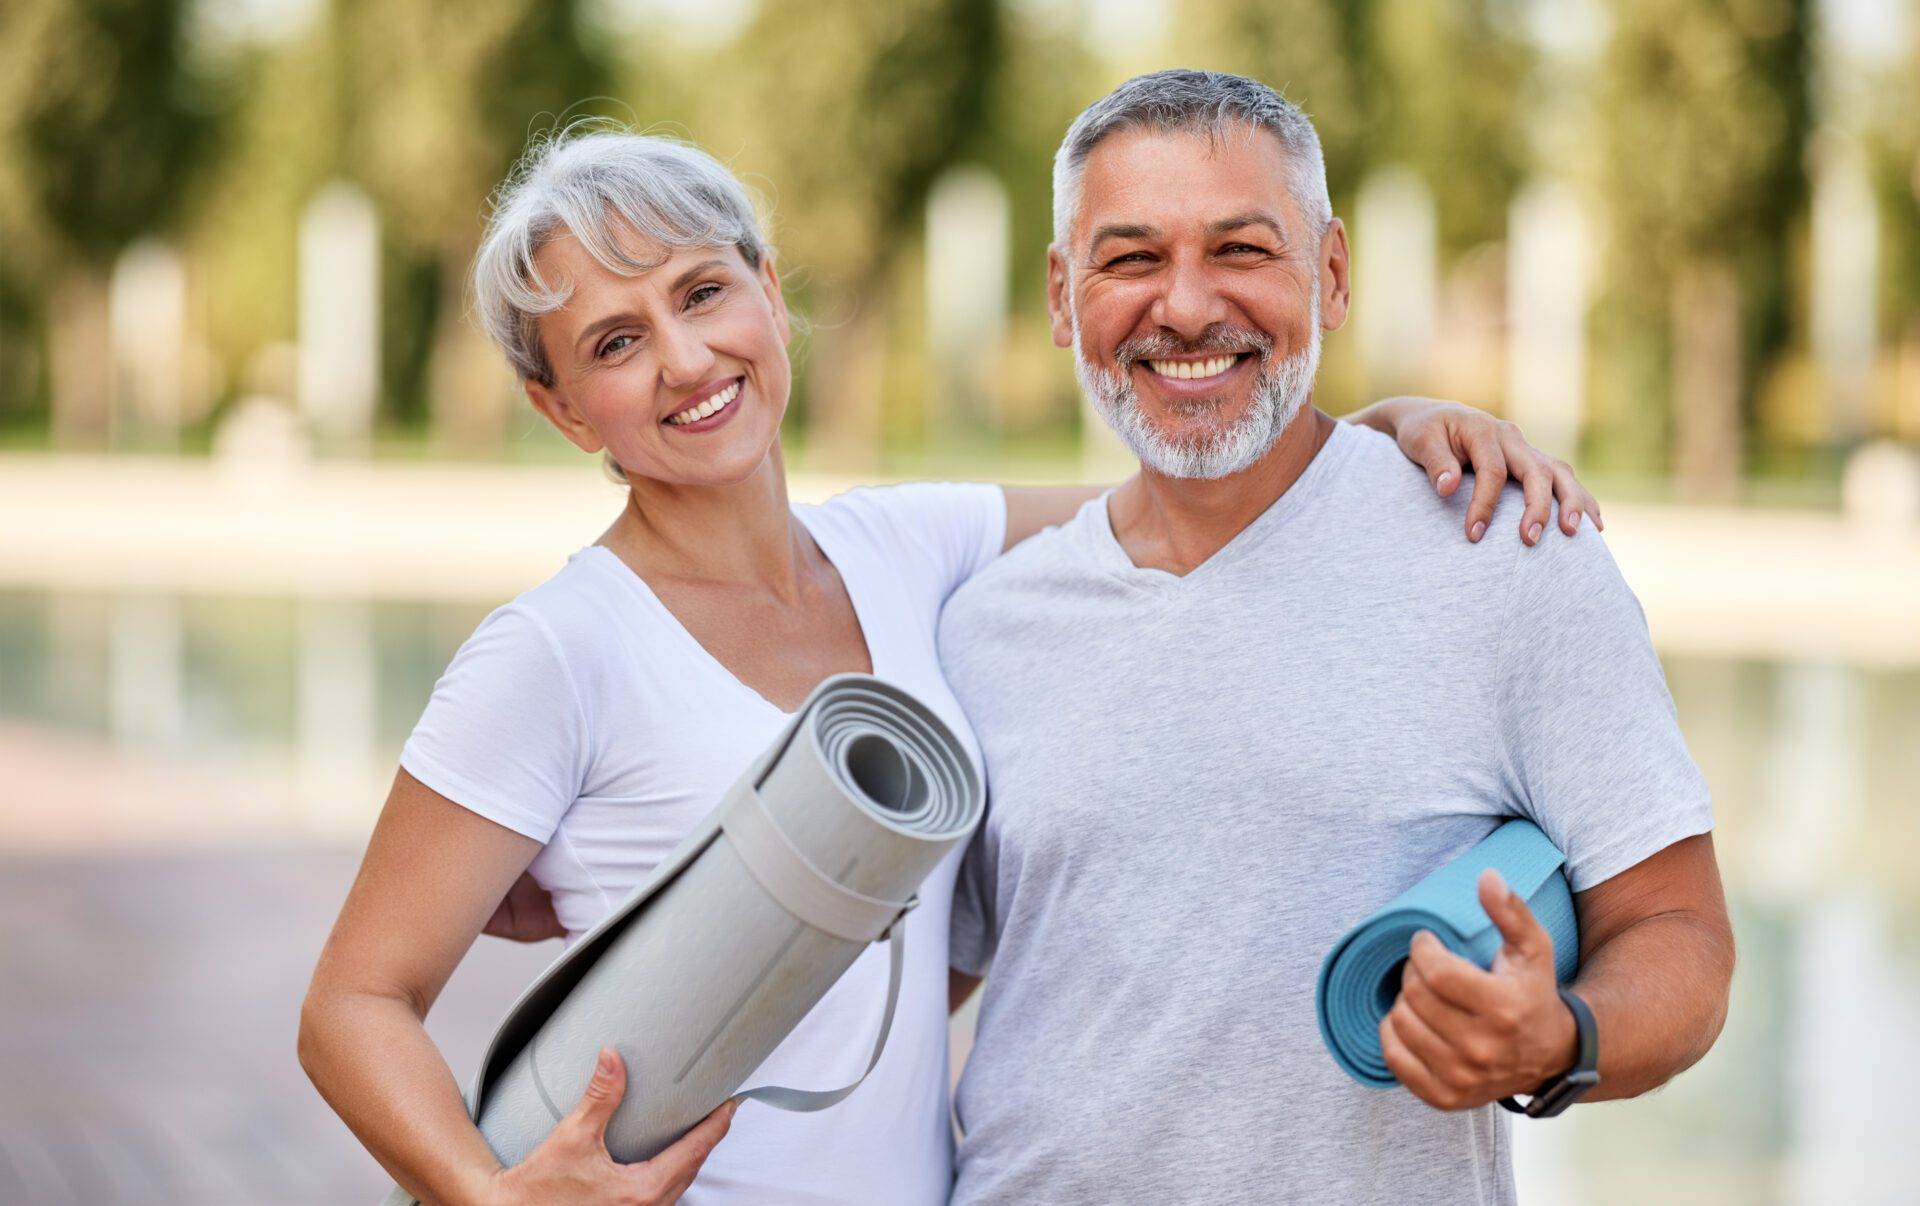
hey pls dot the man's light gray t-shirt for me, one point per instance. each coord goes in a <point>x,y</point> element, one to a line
<point>1198,783</point>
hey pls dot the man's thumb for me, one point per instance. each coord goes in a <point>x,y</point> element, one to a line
<point>604,1091</point>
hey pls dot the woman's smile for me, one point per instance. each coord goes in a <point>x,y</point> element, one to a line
<point>709,408</point>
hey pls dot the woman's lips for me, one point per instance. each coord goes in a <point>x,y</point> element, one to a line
<point>711,412</point>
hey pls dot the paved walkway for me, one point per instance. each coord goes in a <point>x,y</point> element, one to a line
<point>148,1008</point>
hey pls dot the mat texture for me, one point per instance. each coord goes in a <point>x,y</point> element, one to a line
<point>812,855</point>
<point>1360,979</point>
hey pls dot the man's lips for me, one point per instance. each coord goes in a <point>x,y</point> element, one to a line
<point>1208,378</point>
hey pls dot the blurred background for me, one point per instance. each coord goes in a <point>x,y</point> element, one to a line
<point>259,474</point>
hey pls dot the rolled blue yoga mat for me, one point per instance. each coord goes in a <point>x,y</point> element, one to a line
<point>1360,980</point>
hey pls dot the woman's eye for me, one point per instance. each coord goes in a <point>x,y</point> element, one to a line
<point>617,343</point>
<point>705,293</point>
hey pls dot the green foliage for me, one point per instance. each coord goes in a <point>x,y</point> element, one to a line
<point>103,119</point>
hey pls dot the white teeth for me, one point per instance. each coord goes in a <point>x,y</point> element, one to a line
<point>1190,370</point>
<point>693,414</point>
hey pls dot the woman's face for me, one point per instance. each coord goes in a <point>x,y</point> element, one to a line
<point>680,372</point>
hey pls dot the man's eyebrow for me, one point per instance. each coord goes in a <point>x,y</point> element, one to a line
<point>1121,231</point>
<point>625,316</point>
<point>1251,218</point>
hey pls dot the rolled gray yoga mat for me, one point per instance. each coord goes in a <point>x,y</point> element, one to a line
<point>1360,979</point>
<point>815,852</point>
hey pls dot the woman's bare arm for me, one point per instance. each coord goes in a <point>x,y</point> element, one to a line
<point>432,876</point>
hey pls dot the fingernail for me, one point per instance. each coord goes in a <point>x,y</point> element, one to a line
<point>1444,479</point>
<point>1573,520</point>
<point>605,1062</point>
<point>1533,533</point>
<point>1479,529</point>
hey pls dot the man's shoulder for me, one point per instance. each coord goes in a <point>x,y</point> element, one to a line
<point>1044,565</point>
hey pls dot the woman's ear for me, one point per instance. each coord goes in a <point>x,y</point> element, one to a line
<point>554,407</point>
<point>770,284</point>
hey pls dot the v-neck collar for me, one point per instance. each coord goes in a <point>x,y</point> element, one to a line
<point>700,652</point>
<point>1112,556</point>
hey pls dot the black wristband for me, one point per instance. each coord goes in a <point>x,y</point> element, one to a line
<point>1556,1095</point>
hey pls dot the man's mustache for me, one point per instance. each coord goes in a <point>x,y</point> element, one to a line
<point>1220,337</point>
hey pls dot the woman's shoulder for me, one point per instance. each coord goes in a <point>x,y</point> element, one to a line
<point>569,611</point>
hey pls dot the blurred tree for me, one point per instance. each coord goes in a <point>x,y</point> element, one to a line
<point>107,124</point>
<point>1704,113</point>
<point>433,100</point>
<point>853,108</point>
<point>1314,52</point>
<point>1449,106</point>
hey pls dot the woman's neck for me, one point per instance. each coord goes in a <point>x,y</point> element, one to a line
<point>742,534</point>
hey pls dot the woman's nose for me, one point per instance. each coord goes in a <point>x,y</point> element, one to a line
<point>685,358</point>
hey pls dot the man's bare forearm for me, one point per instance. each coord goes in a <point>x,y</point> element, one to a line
<point>372,1060</point>
<point>1658,990</point>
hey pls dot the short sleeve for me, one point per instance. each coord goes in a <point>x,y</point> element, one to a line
<point>504,733</point>
<point>973,933</point>
<point>947,531</point>
<point>1592,737</point>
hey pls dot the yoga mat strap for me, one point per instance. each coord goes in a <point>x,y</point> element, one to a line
<point>807,1100</point>
<point>801,888</point>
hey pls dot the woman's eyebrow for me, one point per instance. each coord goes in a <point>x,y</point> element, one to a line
<point>610,321</point>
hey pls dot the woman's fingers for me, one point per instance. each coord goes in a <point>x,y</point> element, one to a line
<point>602,1096</point>
<point>1575,502</point>
<point>670,1172</point>
<point>1489,475</point>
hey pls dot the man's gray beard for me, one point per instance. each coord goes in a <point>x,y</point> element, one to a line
<point>1279,393</point>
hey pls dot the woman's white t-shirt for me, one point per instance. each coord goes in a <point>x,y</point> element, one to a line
<point>583,715</point>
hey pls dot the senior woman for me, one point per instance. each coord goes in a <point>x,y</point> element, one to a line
<point>586,727</point>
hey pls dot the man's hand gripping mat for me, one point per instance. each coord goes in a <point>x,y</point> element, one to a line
<point>1360,979</point>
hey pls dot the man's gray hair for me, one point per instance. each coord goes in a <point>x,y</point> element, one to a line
<point>1207,102</point>
<point>598,181</point>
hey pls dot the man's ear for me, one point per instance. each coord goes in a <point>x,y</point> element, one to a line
<point>1335,280</point>
<point>1059,297</point>
<point>553,405</point>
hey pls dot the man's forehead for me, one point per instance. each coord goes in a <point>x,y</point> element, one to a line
<point>1165,179</point>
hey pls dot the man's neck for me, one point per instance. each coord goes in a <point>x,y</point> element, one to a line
<point>1176,523</point>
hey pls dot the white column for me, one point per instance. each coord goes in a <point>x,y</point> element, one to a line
<point>339,287</point>
<point>1396,286</point>
<point>967,249</point>
<point>1855,1054</point>
<point>1845,263</point>
<point>1548,273</point>
<point>144,680</point>
<point>147,316</point>
<point>336,696</point>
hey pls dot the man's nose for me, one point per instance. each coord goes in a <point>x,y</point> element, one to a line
<point>1188,303</point>
<point>685,358</point>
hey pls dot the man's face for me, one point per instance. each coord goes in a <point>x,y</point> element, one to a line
<point>1193,294</point>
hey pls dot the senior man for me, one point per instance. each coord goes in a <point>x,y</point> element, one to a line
<point>1240,702</point>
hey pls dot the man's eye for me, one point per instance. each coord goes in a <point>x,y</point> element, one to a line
<point>1243,249</point>
<point>1131,257</point>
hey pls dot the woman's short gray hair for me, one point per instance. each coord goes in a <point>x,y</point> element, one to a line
<point>1209,102</point>
<point>598,180</point>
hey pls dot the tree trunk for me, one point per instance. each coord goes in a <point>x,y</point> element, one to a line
<point>1706,381</point>
<point>845,373</point>
<point>470,387</point>
<point>82,371</point>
